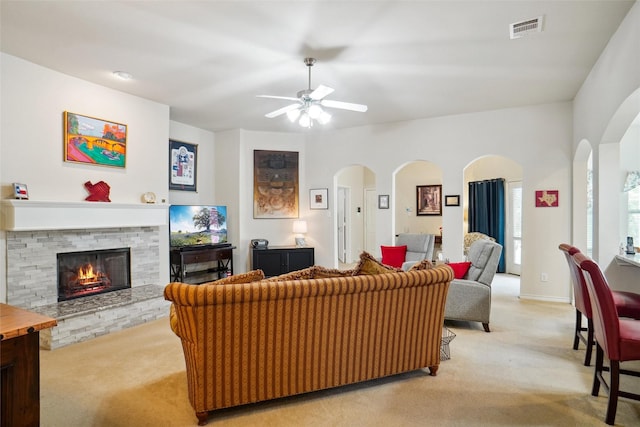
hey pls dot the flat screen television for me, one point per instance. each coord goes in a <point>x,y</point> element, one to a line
<point>197,225</point>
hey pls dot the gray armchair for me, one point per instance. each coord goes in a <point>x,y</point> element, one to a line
<point>470,298</point>
<point>419,247</point>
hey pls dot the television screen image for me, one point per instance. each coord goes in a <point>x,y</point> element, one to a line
<point>191,225</point>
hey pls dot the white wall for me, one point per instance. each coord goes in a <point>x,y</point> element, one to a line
<point>205,169</point>
<point>605,106</point>
<point>239,145</point>
<point>536,137</point>
<point>405,205</point>
<point>356,178</point>
<point>33,101</point>
<point>205,182</point>
<point>31,139</point>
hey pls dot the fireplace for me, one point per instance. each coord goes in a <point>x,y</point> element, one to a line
<point>87,273</point>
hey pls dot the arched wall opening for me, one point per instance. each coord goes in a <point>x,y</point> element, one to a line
<point>620,140</point>
<point>582,189</point>
<point>407,179</point>
<point>491,167</point>
<point>609,179</point>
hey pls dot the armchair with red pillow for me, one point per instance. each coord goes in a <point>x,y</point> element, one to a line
<point>460,269</point>
<point>393,255</point>
<point>469,296</point>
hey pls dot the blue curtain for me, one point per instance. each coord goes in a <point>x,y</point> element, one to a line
<point>487,212</point>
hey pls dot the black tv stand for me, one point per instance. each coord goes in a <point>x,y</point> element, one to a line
<point>200,264</point>
<point>201,247</point>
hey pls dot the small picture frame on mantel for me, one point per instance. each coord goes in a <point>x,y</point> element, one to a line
<point>20,191</point>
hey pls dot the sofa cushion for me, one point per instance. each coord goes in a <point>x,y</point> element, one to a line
<point>314,272</point>
<point>425,264</point>
<point>305,273</point>
<point>459,269</point>
<point>323,272</point>
<point>369,265</point>
<point>393,255</point>
<point>248,277</point>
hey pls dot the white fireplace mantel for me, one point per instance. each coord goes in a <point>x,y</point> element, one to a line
<point>31,215</point>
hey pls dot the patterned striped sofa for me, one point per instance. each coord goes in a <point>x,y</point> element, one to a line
<point>249,342</point>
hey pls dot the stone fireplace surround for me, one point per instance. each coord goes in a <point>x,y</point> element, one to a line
<point>37,231</point>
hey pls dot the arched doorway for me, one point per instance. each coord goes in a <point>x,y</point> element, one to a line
<point>492,167</point>
<point>407,178</point>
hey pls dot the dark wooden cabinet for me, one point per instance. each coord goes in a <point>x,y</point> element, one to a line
<point>200,265</point>
<point>20,366</point>
<point>278,260</point>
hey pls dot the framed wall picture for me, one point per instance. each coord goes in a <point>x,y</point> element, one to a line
<point>452,200</point>
<point>319,198</point>
<point>20,191</point>
<point>94,141</point>
<point>383,201</point>
<point>275,184</point>
<point>547,198</point>
<point>183,166</point>
<point>429,200</point>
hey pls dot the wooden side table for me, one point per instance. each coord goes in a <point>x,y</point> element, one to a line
<point>20,365</point>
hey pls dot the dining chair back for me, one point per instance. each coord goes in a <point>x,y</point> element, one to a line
<point>616,337</point>
<point>581,301</point>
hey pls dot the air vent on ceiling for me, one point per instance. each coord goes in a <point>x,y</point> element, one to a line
<point>521,29</point>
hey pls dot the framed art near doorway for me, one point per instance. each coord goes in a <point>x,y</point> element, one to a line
<point>429,200</point>
<point>319,198</point>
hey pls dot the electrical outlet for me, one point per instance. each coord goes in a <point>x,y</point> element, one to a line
<point>544,277</point>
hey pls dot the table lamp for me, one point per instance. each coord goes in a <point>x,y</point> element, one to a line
<point>300,228</point>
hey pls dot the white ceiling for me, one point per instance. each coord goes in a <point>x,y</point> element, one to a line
<point>208,60</point>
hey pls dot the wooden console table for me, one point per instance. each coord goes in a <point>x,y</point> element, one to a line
<point>20,365</point>
<point>215,263</point>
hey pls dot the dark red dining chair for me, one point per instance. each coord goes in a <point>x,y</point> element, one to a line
<point>616,337</point>
<point>581,301</point>
<point>627,303</point>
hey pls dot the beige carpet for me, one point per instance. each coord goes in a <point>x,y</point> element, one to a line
<point>522,373</point>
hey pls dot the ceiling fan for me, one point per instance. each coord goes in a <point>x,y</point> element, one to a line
<point>308,105</point>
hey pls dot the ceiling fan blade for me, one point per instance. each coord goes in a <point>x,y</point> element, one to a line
<point>282,111</point>
<point>277,97</point>
<point>344,105</point>
<point>320,92</point>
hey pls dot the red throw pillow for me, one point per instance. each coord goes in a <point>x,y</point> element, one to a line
<point>393,255</point>
<point>460,269</point>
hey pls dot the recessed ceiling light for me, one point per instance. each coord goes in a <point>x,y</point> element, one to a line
<point>123,75</point>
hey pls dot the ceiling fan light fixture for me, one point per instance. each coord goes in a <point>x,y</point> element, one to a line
<point>305,120</point>
<point>309,104</point>
<point>324,118</point>
<point>293,115</point>
<point>315,111</point>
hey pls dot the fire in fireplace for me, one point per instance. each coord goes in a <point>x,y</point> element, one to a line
<point>93,272</point>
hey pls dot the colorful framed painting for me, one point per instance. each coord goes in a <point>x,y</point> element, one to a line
<point>94,141</point>
<point>429,200</point>
<point>183,166</point>
<point>547,198</point>
<point>275,184</point>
